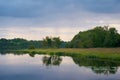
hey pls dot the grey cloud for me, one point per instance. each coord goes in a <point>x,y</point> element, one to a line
<point>31,8</point>
<point>41,8</point>
<point>102,6</point>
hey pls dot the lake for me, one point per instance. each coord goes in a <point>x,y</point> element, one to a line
<point>54,67</point>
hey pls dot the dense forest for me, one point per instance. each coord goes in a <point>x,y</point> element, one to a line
<point>97,37</point>
<point>18,43</point>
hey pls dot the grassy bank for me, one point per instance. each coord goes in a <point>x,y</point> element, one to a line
<point>102,53</point>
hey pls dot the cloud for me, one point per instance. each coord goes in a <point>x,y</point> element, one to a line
<point>42,8</point>
<point>65,34</point>
<point>40,18</point>
<point>32,8</point>
<point>102,6</point>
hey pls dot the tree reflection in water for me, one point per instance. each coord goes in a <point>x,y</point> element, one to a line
<point>105,70</point>
<point>98,66</point>
<point>52,60</point>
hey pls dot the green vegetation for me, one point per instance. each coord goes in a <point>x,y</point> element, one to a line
<point>100,60</point>
<point>97,37</point>
<point>98,53</point>
<point>98,64</point>
<point>97,49</point>
<point>50,42</point>
<point>31,47</point>
<point>18,43</point>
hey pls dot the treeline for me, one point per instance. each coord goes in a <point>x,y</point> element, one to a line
<point>18,43</point>
<point>97,37</point>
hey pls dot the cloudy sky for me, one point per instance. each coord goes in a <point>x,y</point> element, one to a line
<point>35,19</point>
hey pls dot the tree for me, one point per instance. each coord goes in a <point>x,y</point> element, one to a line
<point>97,37</point>
<point>18,43</point>
<point>112,38</point>
<point>47,42</point>
<point>31,47</point>
<point>50,42</point>
<point>56,42</point>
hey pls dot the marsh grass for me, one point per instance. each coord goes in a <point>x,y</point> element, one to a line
<point>97,53</point>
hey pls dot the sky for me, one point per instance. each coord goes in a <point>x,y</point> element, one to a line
<point>36,19</point>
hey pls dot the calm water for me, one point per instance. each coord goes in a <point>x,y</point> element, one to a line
<point>45,67</point>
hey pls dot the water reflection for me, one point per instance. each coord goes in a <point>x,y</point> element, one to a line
<point>106,70</point>
<point>98,66</point>
<point>52,60</point>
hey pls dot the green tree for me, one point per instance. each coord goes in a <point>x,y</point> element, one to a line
<point>31,47</point>
<point>50,42</point>
<point>47,42</point>
<point>56,42</point>
<point>97,37</point>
